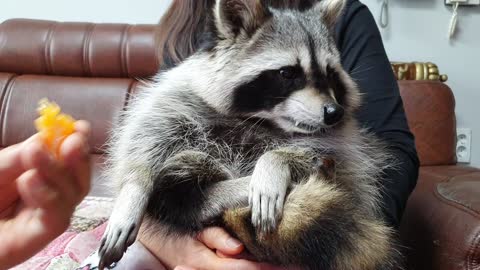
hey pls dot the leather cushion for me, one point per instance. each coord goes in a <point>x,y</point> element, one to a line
<point>441,226</point>
<point>462,191</point>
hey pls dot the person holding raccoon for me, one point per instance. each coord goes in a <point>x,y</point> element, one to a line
<point>281,123</point>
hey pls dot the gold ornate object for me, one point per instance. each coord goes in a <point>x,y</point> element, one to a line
<point>417,71</point>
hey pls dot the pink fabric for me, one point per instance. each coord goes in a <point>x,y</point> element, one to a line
<point>76,244</point>
<point>79,244</point>
<point>70,247</point>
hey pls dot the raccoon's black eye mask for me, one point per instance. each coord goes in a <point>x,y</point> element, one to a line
<point>290,72</point>
<point>268,89</point>
<point>338,86</point>
<point>272,87</point>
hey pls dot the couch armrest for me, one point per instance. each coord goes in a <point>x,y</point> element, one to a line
<point>441,225</point>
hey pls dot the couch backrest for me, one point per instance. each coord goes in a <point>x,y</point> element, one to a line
<point>77,49</point>
<point>89,69</point>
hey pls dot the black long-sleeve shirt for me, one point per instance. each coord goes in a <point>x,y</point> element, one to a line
<point>364,58</point>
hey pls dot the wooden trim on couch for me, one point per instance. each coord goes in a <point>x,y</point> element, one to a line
<point>417,71</point>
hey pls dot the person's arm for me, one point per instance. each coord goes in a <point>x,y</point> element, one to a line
<point>364,58</point>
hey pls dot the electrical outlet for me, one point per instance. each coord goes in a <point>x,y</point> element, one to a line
<point>464,142</point>
<point>463,2</point>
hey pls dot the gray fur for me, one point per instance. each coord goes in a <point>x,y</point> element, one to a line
<point>181,157</point>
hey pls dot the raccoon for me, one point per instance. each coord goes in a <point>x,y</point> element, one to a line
<point>255,132</point>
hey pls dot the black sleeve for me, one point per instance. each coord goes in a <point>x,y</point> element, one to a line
<point>365,59</point>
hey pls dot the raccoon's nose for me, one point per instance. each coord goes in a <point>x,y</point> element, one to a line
<point>333,113</point>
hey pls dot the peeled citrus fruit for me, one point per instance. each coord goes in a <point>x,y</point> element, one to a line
<point>53,125</point>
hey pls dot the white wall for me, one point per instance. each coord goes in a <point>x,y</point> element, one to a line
<point>112,11</point>
<point>417,32</point>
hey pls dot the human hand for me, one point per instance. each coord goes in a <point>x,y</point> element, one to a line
<point>213,249</point>
<point>38,194</point>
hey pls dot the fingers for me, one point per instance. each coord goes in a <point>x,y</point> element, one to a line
<point>223,255</point>
<point>10,158</point>
<point>181,267</point>
<point>33,227</point>
<point>244,255</point>
<point>11,168</point>
<point>35,191</point>
<point>74,154</point>
<point>83,127</point>
<point>36,157</point>
<point>50,191</point>
<point>71,176</point>
<point>27,234</point>
<point>230,264</point>
<point>218,239</point>
<point>10,164</point>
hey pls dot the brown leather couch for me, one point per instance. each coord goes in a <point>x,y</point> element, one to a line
<point>90,70</point>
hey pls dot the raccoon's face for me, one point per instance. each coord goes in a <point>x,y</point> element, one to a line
<point>280,65</point>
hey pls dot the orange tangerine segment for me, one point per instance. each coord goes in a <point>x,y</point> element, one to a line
<point>53,125</point>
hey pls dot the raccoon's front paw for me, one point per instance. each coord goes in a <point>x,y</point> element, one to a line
<point>123,226</point>
<point>119,235</point>
<point>266,197</point>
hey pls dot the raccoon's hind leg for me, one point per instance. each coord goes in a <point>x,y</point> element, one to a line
<point>181,190</point>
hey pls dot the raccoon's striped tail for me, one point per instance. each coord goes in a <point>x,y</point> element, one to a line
<point>320,229</point>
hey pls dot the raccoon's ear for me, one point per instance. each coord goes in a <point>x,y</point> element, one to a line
<point>234,17</point>
<point>331,11</point>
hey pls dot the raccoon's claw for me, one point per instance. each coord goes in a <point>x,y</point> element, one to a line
<point>265,213</point>
<point>266,205</point>
<point>114,244</point>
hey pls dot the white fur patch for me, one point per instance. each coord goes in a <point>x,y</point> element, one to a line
<point>267,191</point>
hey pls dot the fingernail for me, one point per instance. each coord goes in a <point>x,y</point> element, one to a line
<point>233,243</point>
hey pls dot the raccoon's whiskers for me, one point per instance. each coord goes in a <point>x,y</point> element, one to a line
<point>241,124</point>
<point>256,124</point>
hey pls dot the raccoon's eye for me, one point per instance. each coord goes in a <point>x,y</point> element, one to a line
<point>288,73</point>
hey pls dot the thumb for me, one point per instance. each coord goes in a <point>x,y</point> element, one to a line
<point>181,267</point>
<point>218,239</point>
